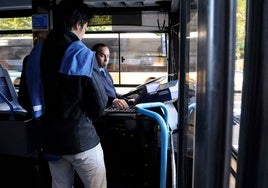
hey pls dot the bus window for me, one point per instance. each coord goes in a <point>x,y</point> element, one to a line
<point>12,52</point>
<point>16,42</point>
<point>133,55</point>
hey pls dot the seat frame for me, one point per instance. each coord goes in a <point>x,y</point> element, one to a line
<point>11,101</point>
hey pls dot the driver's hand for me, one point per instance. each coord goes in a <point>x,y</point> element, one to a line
<point>120,104</point>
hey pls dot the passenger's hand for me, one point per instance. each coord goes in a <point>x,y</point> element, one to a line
<point>120,104</point>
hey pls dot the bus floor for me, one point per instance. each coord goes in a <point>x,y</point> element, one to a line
<point>22,171</point>
<point>33,172</point>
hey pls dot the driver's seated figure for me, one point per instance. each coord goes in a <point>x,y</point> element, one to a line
<point>114,98</point>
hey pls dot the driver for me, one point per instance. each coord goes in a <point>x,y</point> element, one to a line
<point>114,98</point>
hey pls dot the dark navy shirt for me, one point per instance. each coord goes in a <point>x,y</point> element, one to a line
<point>108,83</point>
<point>74,94</point>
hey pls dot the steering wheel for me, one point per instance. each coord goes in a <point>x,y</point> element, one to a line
<point>159,79</point>
<point>140,87</point>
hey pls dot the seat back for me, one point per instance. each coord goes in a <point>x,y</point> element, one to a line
<point>9,105</point>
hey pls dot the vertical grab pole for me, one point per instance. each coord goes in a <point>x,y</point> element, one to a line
<point>164,134</point>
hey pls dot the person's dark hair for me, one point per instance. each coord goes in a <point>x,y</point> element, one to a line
<point>69,12</point>
<point>97,46</point>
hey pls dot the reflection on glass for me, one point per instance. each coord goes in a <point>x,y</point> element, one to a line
<point>13,49</point>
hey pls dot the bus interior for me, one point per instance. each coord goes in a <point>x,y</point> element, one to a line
<point>219,110</point>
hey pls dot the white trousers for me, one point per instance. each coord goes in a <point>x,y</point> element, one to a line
<point>89,165</point>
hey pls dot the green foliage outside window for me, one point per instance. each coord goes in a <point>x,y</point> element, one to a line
<point>19,23</point>
<point>240,28</point>
<point>98,23</point>
<point>16,23</point>
<point>101,23</point>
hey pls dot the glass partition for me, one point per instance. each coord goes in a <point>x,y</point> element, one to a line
<point>16,41</point>
<point>135,57</point>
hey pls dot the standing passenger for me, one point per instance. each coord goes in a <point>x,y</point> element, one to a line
<point>74,97</point>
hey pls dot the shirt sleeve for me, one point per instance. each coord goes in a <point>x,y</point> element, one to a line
<point>95,93</point>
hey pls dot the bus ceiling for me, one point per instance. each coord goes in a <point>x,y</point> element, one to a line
<point>133,5</point>
<point>99,6</point>
<point>24,8</point>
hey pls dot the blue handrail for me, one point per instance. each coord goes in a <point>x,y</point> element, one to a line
<point>165,130</point>
<point>141,108</point>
